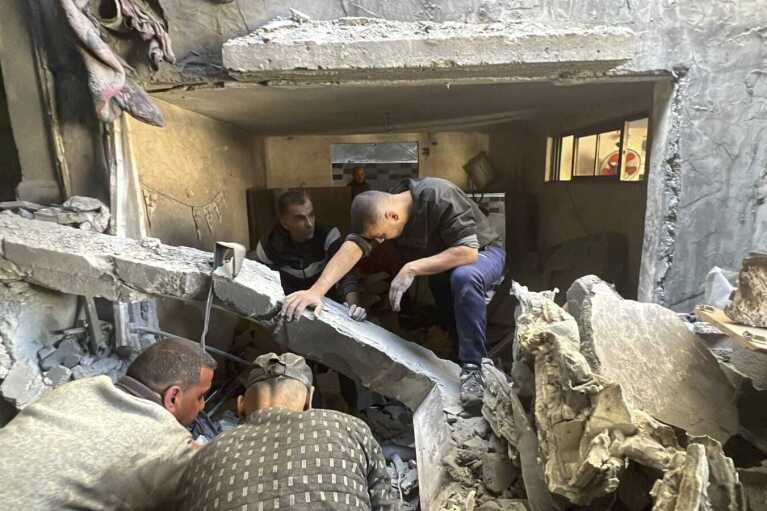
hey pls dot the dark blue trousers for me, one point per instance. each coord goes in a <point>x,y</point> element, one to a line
<point>461,299</point>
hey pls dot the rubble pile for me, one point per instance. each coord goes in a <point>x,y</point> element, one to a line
<point>84,213</point>
<point>392,425</point>
<point>749,303</point>
<point>49,338</point>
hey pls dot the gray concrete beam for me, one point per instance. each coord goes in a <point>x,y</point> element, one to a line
<point>119,269</point>
<point>352,49</point>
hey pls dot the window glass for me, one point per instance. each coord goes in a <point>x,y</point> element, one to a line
<point>549,159</point>
<point>634,150</point>
<point>608,147</point>
<point>586,149</point>
<point>566,159</point>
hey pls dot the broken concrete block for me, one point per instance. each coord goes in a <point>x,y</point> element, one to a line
<point>394,367</point>
<point>352,47</point>
<point>749,303</point>
<point>29,314</point>
<point>661,366</point>
<point>58,375</point>
<point>82,203</point>
<point>22,385</point>
<point>68,353</point>
<point>497,471</point>
<point>754,482</point>
<point>109,366</point>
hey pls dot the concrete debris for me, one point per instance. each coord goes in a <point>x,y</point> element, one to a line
<point>589,432</point>
<point>351,46</point>
<point>84,213</point>
<point>662,367</point>
<point>749,303</point>
<point>57,375</point>
<point>111,366</point>
<point>68,354</point>
<point>22,385</point>
<point>754,482</point>
<point>121,269</point>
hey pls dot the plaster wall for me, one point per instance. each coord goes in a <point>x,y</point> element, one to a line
<point>194,174</point>
<point>305,160</point>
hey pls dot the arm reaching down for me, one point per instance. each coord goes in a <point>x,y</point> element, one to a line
<point>339,265</point>
<point>438,263</point>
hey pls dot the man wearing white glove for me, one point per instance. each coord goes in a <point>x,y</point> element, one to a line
<point>440,233</point>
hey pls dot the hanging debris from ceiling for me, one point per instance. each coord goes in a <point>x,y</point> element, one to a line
<point>113,90</point>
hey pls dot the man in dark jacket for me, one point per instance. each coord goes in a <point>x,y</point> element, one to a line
<point>298,248</point>
<point>441,233</point>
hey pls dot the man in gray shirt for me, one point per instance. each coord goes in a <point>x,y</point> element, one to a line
<point>287,456</point>
<point>440,233</point>
<point>93,445</point>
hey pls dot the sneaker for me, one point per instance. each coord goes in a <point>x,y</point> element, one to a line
<point>472,387</point>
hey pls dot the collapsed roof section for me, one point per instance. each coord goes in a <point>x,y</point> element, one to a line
<point>119,269</point>
<point>365,49</point>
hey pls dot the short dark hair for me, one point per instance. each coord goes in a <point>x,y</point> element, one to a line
<point>366,210</point>
<point>170,362</point>
<point>293,197</point>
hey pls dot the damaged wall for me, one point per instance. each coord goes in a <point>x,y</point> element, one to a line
<point>194,173</point>
<point>713,156</point>
<point>305,160</point>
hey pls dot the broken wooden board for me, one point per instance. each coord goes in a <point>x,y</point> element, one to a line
<point>751,337</point>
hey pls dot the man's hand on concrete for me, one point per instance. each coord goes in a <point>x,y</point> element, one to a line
<point>353,307</point>
<point>296,303</point>
<point>399,286</point>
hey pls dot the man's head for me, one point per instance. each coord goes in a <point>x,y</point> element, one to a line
<point>277,381</point>
<point>378,216</point>
<point>358,174</point>
<point>296,214</point>
<point>180,372</point>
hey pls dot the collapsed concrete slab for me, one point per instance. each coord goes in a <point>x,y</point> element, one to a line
<point>119,269</point>
<point>749,302</point>
<point>355,48</point>
<point>589,433</point>
<point>661,366</point>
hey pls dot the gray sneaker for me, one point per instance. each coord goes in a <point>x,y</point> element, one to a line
<point>472,388</point>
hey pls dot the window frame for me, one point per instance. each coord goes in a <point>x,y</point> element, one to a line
<point>554,151</point>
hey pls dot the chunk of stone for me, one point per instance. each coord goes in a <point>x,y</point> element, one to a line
<point>754,482</point>
<point>28,314</point>
<point>749,303</point>
<point>68,353</point>
<point>22,385</point>
<point>82,203</point>
<point>497,472</point>
<point>659,363</point>
<point>58,375</point>
<point>109,366</point>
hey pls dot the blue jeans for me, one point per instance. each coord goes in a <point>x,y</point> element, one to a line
<point>460,295</point>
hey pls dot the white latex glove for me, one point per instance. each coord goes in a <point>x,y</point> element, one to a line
<point>399,287</point>
<point>356,312</point>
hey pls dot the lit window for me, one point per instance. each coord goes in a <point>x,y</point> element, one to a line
<point>616,154</point>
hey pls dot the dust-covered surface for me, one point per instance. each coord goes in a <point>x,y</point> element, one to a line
<point>749,302</point>
<point>341,47</point>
